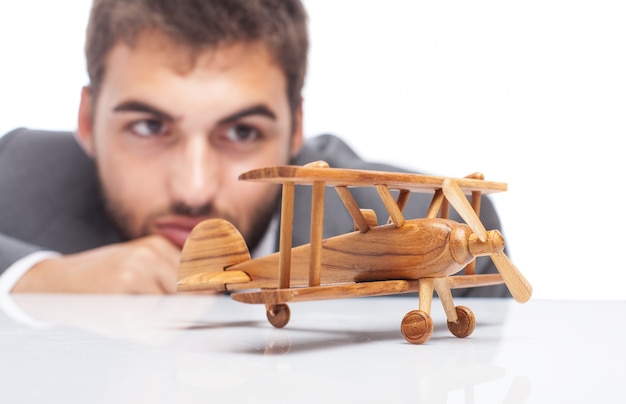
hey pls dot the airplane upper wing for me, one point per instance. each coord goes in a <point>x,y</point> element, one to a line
<point>341,177</point>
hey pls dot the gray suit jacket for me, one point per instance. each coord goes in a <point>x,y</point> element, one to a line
<point>50,199</point>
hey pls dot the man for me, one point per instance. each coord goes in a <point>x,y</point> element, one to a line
<point>183,97</point>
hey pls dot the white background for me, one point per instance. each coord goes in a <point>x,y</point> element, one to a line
<point>530,93</point>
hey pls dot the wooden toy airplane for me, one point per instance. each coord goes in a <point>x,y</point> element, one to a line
<point>418,255</point>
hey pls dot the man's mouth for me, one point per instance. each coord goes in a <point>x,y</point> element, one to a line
<point>177,228</point>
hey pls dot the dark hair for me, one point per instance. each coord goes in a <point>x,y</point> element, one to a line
<point>203,24</point>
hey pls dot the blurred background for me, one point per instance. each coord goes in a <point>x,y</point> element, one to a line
<point>530,93</point>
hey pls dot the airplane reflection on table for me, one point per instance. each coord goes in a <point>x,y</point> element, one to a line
<point>199,346</point>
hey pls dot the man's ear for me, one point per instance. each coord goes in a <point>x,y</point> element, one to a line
<point>297,138</point>
<point>84,133</point>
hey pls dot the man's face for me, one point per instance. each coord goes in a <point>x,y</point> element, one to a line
<point>171,136</point>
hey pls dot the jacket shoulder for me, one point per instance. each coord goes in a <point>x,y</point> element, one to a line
<point>338,154</point>
<point>23,142</point>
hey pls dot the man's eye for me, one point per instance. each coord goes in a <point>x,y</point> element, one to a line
<point>242,133</point>
<point>148,128</point>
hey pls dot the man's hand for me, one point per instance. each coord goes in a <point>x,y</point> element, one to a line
<point>145,265</point>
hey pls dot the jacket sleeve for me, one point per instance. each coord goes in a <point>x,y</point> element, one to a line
<point>12,250</point>
<point>49,196</point>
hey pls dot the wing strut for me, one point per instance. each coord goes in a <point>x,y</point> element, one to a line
<point>353,208</point>
<point>317,230</point>
<point>286,230</point>
<point>394,210</point>
<point>317,226</point>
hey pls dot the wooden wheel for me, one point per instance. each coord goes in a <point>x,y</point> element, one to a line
<point>278,315</point>
<point>417,327</point>
<point>465,324</point>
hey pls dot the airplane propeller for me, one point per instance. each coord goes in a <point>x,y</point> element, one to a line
<point>517,284</point>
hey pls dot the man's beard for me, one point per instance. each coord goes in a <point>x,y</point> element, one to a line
<point>122,218</point>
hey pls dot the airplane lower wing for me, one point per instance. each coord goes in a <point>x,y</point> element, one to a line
<point>359,289</point>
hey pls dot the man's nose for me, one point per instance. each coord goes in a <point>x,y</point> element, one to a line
<point>195,172</point>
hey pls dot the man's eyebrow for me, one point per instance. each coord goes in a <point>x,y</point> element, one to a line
<point>255,110</point>
<point>138,106</point>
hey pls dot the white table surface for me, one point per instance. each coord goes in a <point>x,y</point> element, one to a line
<point>194,348</point>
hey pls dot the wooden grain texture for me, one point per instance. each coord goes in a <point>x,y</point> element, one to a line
<point>212,244</point>
<point>286,231</point>
<point>211,280</point>
<point>360,221</point>
<point>420,248</point>
<point>370,218</point>
<point>435,204</point>
<point>518,285</point>
<point>317,230</point>
<point>424,255</point>
<point>403,199</point>
<point>275,296</point>
<point>455,196</point>
<point>360,178</point>
<point>395,214</point>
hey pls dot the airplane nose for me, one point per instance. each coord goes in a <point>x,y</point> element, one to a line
<point>493,245</point>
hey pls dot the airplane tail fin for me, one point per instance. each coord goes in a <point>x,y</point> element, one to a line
<point>212,246</point>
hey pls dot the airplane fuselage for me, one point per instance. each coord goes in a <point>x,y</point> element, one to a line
<point>418,249</point>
